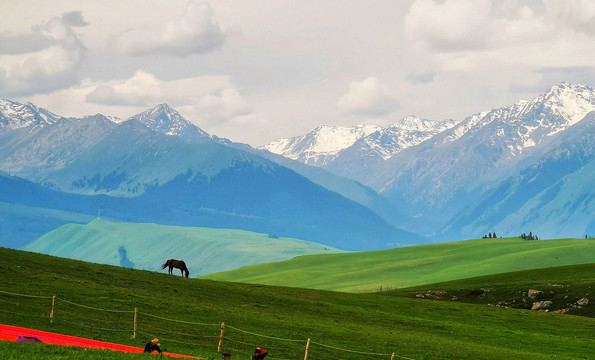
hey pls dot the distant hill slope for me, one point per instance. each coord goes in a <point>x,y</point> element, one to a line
<point>415,265</point>
<point>147,246</point>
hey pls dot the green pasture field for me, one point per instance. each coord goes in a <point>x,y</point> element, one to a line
<point>414,265</point>
<point>186,315</point>
<point>571,289</point>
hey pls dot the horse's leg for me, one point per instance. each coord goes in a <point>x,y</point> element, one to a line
<point>169,270</point>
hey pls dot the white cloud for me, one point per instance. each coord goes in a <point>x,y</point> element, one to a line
<point>367,98</point>
<point>143,89</point>
<point>575,14</point>
<point>208,101</point>
<point>221,106</point>
<point>194,32</point>
<point>480,25</point>
<point>44,59</point>
<point>448,25</point>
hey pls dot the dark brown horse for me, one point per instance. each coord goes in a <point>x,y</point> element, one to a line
<point>179,264</point>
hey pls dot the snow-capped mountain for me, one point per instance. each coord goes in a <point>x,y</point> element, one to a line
<point>321,145</point>
<point>444,174</point>
<point>34,150</point>
<point>553,195</point>
<point>14,115</point>
<point>162,118</point>
<point>368,152</point>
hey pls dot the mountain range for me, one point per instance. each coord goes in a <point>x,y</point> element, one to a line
<point>158,167</point>
<point>454,177</point>
<point>523,168</point>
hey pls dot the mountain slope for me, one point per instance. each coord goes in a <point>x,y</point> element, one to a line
<point>32,151</point>
<point>446,173</point>
<point>14,115</point>
<point>552,197</point>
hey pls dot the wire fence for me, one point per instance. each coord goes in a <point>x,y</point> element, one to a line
<point>183,333</point>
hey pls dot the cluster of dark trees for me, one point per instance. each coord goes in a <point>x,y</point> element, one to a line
<point>490,236</point>
<point>531,236</point>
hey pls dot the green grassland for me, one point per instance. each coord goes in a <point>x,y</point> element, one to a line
<point>147,246</point>
<point>415,265</point>
<point>569,288</point>
<point>340,325</point>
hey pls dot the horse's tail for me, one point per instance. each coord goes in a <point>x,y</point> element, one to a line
<point>165,265</point>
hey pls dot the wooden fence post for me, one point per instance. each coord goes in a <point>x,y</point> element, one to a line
<point>392,357</point>
<point>307,347</point>
<point>53,308</point>
<point>135,323</point>
<point>221,337</point>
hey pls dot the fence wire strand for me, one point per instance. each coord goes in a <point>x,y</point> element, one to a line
<point>178,321</point>
<point>265,336</point>
<point>181,333</point>
<point>94,308</point>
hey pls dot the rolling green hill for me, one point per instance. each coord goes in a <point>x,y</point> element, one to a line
<point>415,265</point>
<point>147,246</point>
<point>569,288</point>
<point>97,301</point>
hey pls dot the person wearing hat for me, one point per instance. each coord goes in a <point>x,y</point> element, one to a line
<point>259,353</point>
<point>152,346</point>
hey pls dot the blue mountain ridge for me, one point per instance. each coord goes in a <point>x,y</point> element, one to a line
<point>136,174</point>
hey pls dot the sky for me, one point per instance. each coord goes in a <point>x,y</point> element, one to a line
<point>255,71</point>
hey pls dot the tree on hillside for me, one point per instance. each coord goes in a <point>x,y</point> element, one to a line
<point>531,236</point>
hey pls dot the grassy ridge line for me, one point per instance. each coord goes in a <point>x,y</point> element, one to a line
<point>413,328</point>
<point>147,246</point>
<point>415,265</point>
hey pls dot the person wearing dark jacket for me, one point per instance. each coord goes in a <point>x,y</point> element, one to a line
<point>259,353</point>
<point>152,346</point>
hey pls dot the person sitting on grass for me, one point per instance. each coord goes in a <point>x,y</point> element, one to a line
<point>259,353</point>
<point>152,346</point>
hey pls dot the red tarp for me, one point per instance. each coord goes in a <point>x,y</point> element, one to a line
<point>11,333</point>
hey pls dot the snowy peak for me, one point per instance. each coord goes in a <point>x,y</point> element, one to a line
<point>528,123</point>
<point>326,143</point>
<point>571,102</point>
<point>14,115</point>
<point>321,144</point>
<point>164,119</point>
<point>407,132</point>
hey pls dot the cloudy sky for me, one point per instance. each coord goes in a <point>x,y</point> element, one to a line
<point>254,71</point>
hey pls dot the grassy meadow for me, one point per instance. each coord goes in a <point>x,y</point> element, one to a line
<point>415,265</point>
<point>185,314</point>
<point>569,288</point>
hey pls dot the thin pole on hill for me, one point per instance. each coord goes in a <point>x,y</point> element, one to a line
<point>135,323</point>
<point>392,357</point>
<point>53,308</point>
<point>221,337</point>
<point>307,347</point>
